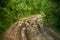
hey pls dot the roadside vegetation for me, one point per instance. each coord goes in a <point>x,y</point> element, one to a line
<point>12,10</point>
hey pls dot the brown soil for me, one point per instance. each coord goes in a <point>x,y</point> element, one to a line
<point>26,29</point>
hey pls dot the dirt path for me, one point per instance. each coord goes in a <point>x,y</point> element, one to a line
<point>26,29</point>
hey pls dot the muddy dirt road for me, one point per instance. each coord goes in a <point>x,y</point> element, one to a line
<point>29,28</point>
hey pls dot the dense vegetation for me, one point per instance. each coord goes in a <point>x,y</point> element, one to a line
<point>12,10</point>
<point>51,10</point>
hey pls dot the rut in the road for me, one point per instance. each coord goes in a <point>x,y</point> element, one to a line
<point>26,29</point>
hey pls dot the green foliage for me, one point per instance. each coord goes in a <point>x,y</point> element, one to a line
<point>12,10</point>
<point>48,8</point>
<point>51,9</point>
